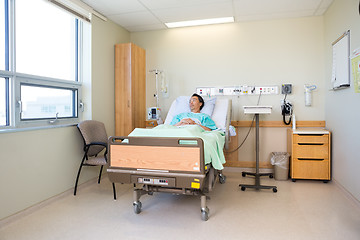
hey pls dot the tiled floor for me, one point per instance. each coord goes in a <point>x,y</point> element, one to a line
<point>300,210</point>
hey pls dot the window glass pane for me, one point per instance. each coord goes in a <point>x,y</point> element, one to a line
<point>2,102</point>
<point>2,35</point>
<point>45,102</point>
<point>45,40</point>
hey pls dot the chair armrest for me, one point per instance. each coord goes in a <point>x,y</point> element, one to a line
<point>105,145</point>
<point>98,143</point>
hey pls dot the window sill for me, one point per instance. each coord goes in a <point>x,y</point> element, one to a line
<point>11,130</point>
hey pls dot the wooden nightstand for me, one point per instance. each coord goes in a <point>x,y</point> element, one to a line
<point>310,154</point>
<point>151,123</point>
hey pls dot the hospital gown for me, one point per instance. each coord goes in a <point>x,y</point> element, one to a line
<point>200,118</point>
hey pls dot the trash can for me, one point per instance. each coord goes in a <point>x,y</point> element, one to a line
<point>280,160</point>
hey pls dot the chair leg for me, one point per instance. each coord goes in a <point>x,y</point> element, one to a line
<point>78,175</point>
<point>114,190</point>
<point>100,173</point>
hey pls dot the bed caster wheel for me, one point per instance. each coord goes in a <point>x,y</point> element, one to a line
<point>293,180</point>
<point>271,176</point>
<point>222,179</point>
<point>243,188</point>
<point>325,181</point>
<point>243,174</point>
<point>205,214</point>
<point>274,189</point>
<point>137,207</point>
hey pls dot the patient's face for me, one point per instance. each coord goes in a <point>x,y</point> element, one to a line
<point>195,104</point>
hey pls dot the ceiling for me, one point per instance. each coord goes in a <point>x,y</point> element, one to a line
<point>146,15</point>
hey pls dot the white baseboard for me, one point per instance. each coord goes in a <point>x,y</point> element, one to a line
<point>348,195</point>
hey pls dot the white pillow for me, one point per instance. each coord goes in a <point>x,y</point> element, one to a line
<point>181,104</point>
<point>220,113</point>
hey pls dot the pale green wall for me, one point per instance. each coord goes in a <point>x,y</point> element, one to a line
<point>37,165</point>
<point>342,106</point>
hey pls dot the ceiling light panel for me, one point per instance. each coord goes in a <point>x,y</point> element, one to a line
<point>200,22</point>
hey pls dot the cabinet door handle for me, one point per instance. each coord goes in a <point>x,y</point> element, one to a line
<point>304,134</point>
<point>318,144</point>
<point>311,159</point>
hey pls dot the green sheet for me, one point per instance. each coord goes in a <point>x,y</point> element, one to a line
<point>213,140</point>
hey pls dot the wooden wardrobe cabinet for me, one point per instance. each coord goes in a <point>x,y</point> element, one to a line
<point>310,154</point>
<point>130,88</point>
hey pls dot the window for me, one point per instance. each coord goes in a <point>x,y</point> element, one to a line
<point>39,102</point>
<point>3,34</point>
<point>3,102</point>
<point>49,49</point>
<point>41,64</point>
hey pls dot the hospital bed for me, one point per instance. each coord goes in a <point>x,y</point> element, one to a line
<point>174,161</point>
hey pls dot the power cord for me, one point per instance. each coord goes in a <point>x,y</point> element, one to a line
<point>251,125</point>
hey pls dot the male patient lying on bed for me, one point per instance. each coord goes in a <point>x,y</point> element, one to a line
<point>195,117</point>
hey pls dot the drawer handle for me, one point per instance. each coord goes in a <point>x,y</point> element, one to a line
<point>311,159</point>
<point>317,144</point>
<point>310,134</point>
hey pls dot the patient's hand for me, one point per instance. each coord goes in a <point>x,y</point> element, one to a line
<point>189,121</point>
<point>185,121</point>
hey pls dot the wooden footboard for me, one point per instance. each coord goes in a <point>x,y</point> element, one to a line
<point>169,154</point>
<point>178,162</point>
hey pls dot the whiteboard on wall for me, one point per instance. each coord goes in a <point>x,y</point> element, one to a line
<point>341,62</point>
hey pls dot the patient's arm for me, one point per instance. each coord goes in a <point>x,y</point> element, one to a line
<point>189,121</point>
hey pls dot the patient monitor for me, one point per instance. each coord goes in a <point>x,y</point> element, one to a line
<point>154,113</point>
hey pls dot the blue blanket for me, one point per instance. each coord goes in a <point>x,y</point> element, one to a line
<point>213,140</point>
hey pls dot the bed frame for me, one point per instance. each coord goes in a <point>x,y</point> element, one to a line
<point>174,165</point>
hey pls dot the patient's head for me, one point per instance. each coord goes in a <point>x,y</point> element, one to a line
<point>196,103</point>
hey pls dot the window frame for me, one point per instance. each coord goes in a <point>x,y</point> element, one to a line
<point>15,80</point>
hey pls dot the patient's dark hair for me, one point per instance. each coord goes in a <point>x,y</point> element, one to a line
<point>200,99</point>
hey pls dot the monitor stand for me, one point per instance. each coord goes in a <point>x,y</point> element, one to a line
<point>257,110</point>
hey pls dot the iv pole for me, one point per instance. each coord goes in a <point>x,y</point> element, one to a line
<point>157,71</point>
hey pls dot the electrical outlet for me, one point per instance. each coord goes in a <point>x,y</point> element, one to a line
<point>286,89</point>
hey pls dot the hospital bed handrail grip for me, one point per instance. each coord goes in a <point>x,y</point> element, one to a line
<point>157,141</point>
<point>156,174</point>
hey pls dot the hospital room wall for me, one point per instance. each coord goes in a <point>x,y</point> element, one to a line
<point>342,112</point>
<point>250,53</point>
<point>40,164</point>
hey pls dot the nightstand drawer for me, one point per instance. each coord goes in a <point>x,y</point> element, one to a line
<point>311,169</point>
<point>311,138</point>
<point>317,151</point>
